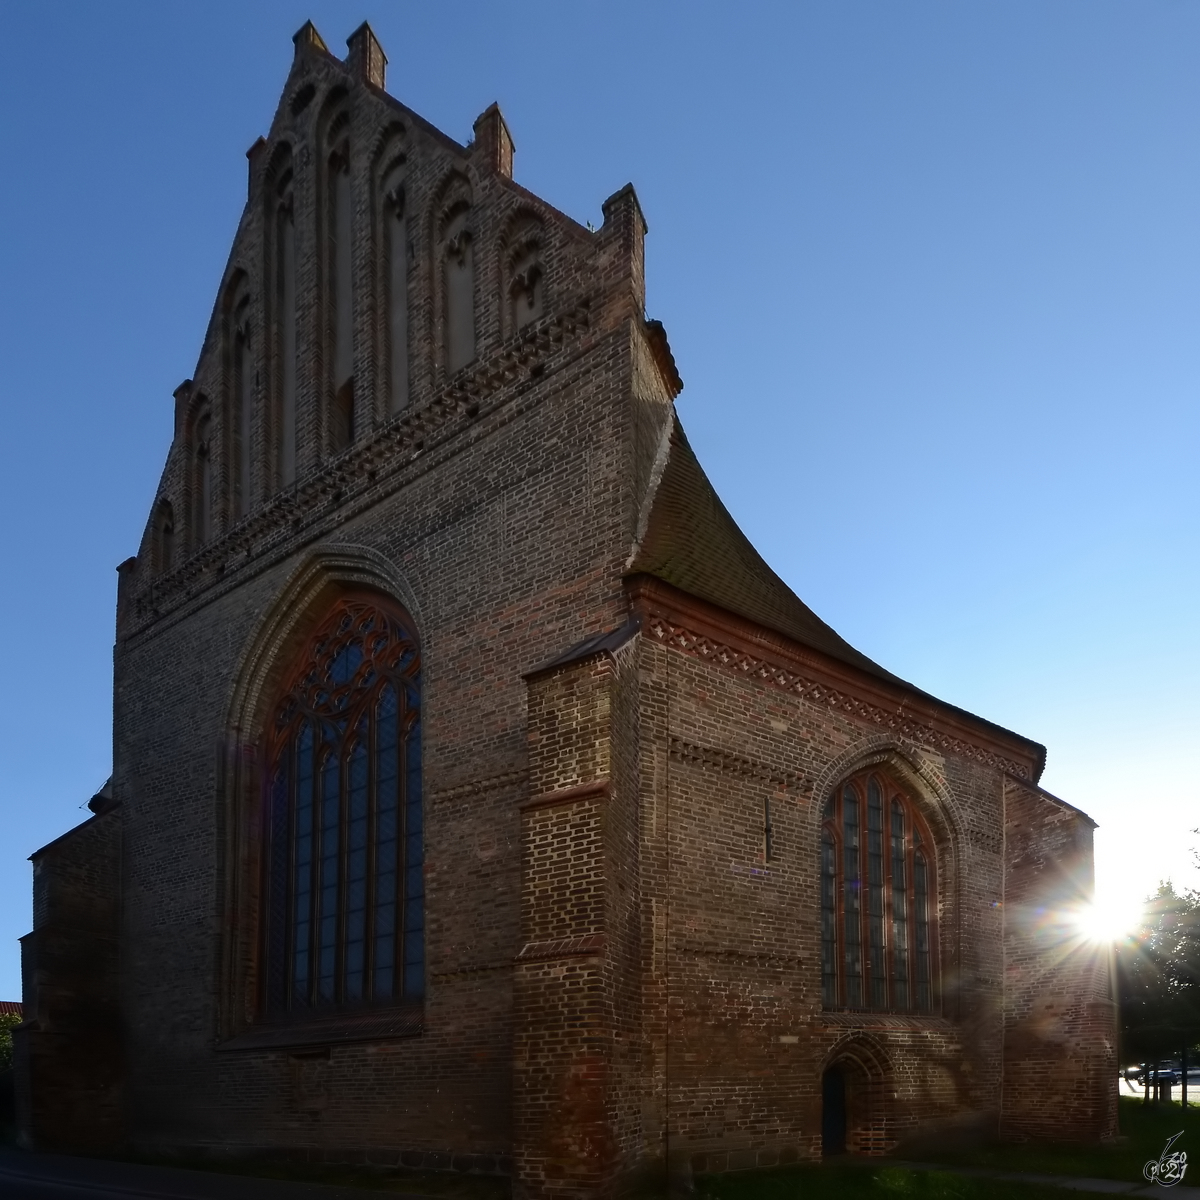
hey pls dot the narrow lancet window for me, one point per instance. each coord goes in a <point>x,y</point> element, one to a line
<point>459,286</point>
<point>395,237</point>
<point>346,865</point>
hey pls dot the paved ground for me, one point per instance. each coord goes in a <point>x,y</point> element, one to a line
<point>1113,1187</point>
<point>58,1177</point>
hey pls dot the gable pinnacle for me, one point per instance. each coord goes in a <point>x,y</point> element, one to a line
<point>366,57</point>
<point>493,141</point>
<point>307,38</point>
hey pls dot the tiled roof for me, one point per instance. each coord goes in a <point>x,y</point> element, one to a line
<point>691,542</point>
<point>10,1008</point>
<point>688,539</point>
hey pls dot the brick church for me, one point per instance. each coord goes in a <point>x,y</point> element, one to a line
<point>481,799</point>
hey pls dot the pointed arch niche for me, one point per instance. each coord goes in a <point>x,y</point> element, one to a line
<point>337,210</point>
<point>323,803</point>
<point>455,242</point>
<point>281,288</point>
<point>523,272</point>
<point>202,470</point>
<point>394,281</point>
<point>239,395</point>
<point>163,537</point>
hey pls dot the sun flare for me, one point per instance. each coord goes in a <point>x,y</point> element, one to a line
<point>1107,920</point>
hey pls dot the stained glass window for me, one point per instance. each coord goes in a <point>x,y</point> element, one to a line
<point>877,900</point>
<point>345,879</point>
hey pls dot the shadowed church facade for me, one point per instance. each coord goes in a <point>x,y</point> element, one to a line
<point>481,800</point>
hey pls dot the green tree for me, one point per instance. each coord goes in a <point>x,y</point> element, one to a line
<point>1158,979</point>
<point>8,1022</point>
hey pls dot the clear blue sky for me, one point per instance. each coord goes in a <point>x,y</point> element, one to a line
<point>930,272</point>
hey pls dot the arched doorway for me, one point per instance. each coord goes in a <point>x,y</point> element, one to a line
<point>833,1112</point>
<point>856,1114</point>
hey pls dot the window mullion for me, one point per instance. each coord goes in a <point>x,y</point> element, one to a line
<point>368,975</point>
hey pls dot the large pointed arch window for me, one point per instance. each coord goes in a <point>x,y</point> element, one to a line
<point>345,911</point>
<point>878,900</point>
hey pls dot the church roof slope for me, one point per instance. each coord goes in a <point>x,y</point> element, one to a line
<point>689,540</point>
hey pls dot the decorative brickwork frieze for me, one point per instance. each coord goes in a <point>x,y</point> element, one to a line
<point>494,783</point>
<point>739,765</point>
<point>773,674</point>
<point>374,469</point>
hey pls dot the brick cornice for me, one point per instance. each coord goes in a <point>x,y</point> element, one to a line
<point>684,623</point>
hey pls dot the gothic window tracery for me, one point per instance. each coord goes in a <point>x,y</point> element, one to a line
<point>345,907</point>
<point>878,900</point>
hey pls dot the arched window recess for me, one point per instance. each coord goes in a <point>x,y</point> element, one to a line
<point>344,921</point>
<point>523,270</point>
<point>241,387</point>
<point>281,288</point>
<point>394,233</point>
<point>339,277</point>
<point>458,286</point>
<point>878,900</point>
<point>163,537</point>
<point>202,473</point>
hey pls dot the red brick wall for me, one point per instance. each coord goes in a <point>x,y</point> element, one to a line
<point>1060,1076</point>
<point>619,982</point>
<point>68,1048</point>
